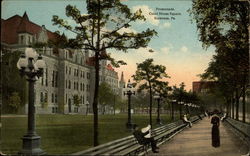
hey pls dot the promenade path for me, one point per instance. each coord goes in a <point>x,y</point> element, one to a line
<point>196,141</point>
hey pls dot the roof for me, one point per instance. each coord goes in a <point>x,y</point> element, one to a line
<point>17,24</point>
<point>109,67</point>
<point>91,61</point>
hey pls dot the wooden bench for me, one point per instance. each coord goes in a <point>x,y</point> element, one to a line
<point>129,145</point>
<point>240,129</point>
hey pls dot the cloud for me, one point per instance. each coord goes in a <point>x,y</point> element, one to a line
<point>166,25</point>
<point>146,12</point>
<point>184,49</point>
<point>127,30</point>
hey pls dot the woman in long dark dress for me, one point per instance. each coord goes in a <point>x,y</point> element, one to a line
<point>215,130</point>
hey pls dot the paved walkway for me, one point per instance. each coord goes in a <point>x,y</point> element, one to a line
<point>196,141</point>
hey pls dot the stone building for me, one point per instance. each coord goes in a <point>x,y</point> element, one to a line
<point>69,74</point>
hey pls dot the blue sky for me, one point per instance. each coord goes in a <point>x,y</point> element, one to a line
<point>176,46</point>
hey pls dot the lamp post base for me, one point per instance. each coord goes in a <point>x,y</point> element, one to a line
<point>31,146</point>
<point>130,126</point>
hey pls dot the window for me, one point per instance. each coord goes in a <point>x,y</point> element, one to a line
<point>83,87</point>
<point>46,76</point>
<point>66,83</point>
<point>22,39</point>
<point>56,78</point>
<point>55,98</point>
<point>52,98</point>
<point>53,78</point>
<point>46,97</point>
<point>53,109</point>
<point>41,97</point>
<point>69,70</point>
<point>69,84</point>
<point>88,75</point>
<point>66,70</point>
<point>66,98</point>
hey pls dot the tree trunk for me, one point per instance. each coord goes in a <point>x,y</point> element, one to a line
<point>233,101</point>
<point>237,100</point>
<point>150,105</point>
<point>95,102</point>
<point>244,104</point>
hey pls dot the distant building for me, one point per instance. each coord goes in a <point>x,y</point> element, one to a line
<point>69,73</point>
<point>203,86</point>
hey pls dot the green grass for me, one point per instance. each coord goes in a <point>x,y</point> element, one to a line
<point>65,134</point>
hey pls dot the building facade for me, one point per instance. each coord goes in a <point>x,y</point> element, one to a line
<point>67,84</point>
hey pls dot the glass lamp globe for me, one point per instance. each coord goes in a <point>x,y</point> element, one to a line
<point>30,53</point>
<point>22,62</point>
<point>40,64</point>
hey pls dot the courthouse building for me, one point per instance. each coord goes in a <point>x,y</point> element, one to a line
<point>69,73</point>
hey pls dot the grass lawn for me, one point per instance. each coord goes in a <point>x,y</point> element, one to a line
<point>65,134</point>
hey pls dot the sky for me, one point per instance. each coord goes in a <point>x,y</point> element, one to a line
<point>176,46</point>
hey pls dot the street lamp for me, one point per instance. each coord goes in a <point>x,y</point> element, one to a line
<point>87,107</point>
<point>172,111</point>
<point>157,97</point>
<point>32,68</point>
<point>129,90</point>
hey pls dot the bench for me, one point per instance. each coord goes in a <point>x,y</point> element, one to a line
<point>130,146</point>
<point>239,128</point>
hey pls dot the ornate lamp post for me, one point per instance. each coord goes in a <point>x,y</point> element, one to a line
<point>32,68</point>
<point>172,107</point>
<point>157,97</point>
<point>129,90</point>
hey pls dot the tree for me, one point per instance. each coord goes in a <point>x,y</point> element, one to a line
<point>150,75</point>
<point>76,100</point>
<point>11,80</point>
<point>224,24</point>
<point>99,30</point>
<point>15,101</point>
<point>106,95</point>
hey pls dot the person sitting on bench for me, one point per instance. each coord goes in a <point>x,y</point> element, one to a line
<point>143,136</point>
<point>187,121</point>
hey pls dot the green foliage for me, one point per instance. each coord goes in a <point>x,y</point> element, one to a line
<point>217,20</point>
<point>151,75</point>
<point>105,23</point>
<point>15,101</point>
<point>12,80</point>
<point>224,24</point>
<point>106,95</point>
<point>99,30</point>
<point>76,100</point>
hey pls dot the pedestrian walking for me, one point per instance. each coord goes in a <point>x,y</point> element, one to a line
<point>215,120</point>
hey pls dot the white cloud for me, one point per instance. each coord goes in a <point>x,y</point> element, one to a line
<point>146,12</point>
<point>166,25</point>
<point>127,30</point>
<point>184,49</point>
